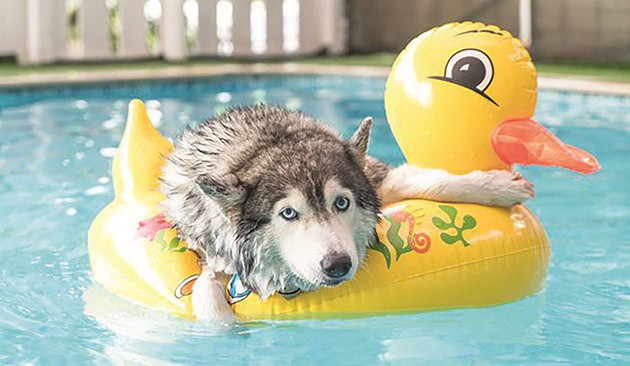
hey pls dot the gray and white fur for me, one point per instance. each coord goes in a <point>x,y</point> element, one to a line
<point>234,183</point>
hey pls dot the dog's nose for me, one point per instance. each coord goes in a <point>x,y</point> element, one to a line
<point>336,265</point>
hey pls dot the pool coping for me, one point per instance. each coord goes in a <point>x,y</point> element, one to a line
<point>545,81</point>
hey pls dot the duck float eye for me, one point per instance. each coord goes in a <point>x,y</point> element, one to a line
<point>471,69</point>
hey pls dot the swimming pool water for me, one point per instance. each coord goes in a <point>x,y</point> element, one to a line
<point>56,148</point>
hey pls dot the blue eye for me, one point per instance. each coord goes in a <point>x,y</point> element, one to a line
<point>342,204</point>
<point>289,214</point>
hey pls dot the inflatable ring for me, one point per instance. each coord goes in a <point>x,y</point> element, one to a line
<point>459,98</point>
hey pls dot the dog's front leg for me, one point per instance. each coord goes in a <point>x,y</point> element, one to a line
<point>208,299</point>
<point>491,188</point>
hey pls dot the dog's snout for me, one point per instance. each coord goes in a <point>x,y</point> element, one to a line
<point>336,265</point>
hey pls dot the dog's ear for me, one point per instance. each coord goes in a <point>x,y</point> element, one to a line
<point>361,139</point>
<point>226,186</point>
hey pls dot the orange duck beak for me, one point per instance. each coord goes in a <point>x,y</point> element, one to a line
<point>527,142</point>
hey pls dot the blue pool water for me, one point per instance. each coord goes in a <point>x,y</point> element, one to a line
<point>56,148</point>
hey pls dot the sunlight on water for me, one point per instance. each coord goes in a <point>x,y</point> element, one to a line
<point>56,148</point>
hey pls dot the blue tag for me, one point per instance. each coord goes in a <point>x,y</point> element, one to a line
<point>236,290</point>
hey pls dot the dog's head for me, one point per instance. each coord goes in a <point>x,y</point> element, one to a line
<point>304,209</point>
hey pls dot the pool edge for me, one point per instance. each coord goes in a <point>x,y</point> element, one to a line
<point>545,81</point>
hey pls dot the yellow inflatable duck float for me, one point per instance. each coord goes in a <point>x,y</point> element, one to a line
<point>459,98</point>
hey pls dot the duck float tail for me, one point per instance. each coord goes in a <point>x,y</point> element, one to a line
<point>133,250</point>
<point>140,155</point>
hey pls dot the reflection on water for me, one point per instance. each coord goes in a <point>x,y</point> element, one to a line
<point>56,148</point>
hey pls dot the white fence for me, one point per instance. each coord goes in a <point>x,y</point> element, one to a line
<point>39,31</point>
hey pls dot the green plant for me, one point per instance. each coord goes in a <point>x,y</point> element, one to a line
<point>394,238</point>
<point>172,246</point>
<point>382,248</point>
<point>113,14</point>
<point>468,222</point>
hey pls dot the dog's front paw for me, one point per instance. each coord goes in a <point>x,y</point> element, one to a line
<point>208,301</point>
<point>502,188</point>
<point>210,313</point>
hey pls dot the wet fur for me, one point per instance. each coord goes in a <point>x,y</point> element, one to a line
<point>225,175</point>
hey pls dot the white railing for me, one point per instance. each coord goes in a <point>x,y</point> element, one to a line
<point>39,31</point>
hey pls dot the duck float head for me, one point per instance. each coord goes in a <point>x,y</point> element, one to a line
<point>461,96</point>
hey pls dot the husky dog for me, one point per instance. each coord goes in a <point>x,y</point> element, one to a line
<point>280,200</point>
